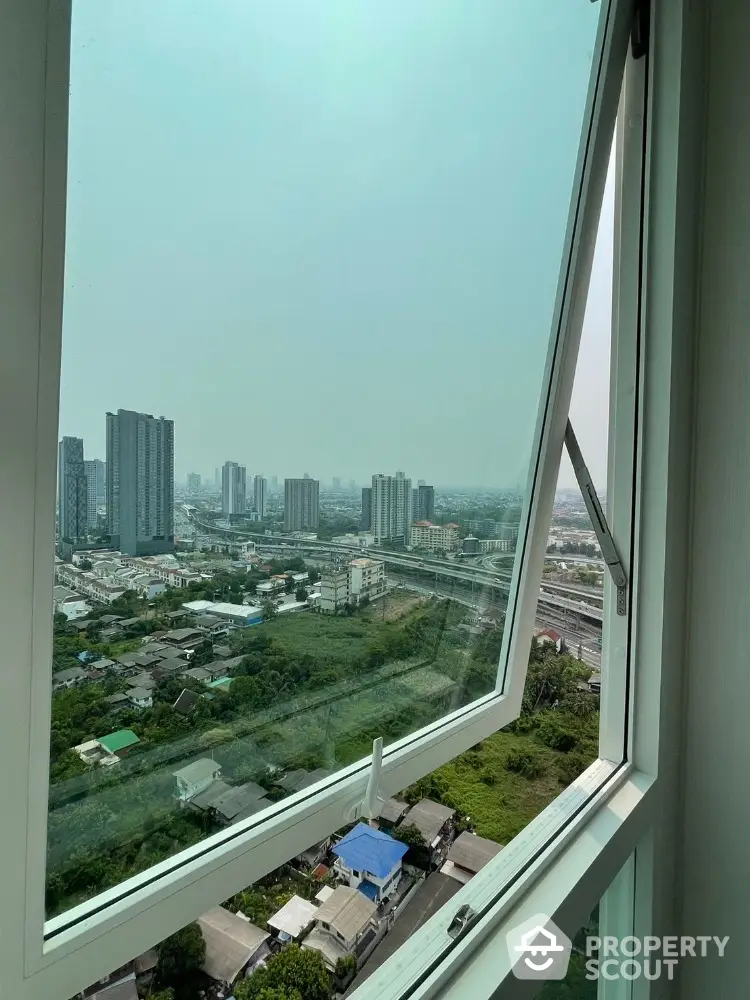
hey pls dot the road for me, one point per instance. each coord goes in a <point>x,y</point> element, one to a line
<point>574,634</point>
<point>470,574</point>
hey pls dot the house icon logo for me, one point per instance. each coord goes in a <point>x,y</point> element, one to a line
<point>538,949</point>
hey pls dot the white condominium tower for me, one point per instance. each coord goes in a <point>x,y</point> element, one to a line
<point>391,508</point>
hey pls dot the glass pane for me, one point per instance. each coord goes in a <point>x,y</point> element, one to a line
<point>319,237</point>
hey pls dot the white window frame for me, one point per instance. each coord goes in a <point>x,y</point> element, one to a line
<point>87,942</point>
<point>619,846</point>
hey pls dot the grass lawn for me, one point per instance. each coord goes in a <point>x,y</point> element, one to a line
<point>502,809</point>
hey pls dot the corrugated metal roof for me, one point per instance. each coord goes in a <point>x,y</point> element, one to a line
<point>293,916</point>
<point>472,852</point>
<point>346,911</point>
<point>429,818</point>
<point>231,942</point>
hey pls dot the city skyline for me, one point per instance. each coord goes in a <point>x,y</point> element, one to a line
<point>365,286</point>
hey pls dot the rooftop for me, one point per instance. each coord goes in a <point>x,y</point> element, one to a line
<point>347,911</point>
<point>118,740</point>
<point>230,943</point>
<point>435,891</point>
<point>293,916</point>
<point>429,818</point>
<point>199,770</point>
<point>369,850</point>
<point>393,810</point>
<point>471,852</point>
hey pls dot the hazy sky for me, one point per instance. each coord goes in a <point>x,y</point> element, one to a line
<point>325,237</point>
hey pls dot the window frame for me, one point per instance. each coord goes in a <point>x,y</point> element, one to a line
<point>91,939</point>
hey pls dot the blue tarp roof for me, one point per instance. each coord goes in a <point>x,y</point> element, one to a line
<point>369,889</point>
<point>365,849</point>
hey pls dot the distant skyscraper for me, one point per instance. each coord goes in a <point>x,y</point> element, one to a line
<point>260,488</point>
<point>365,521</point>
<point>193,483</point>
<point>217,478</point>
<point>140,482</point>
<point>336,483</point>
<point>420,482</point>
<point>423,503</point>
<point>274,484</point>
<point>96,482</point>
<point>306,475</point>
<point>233,489</point>
<point>352,486</point>
<point>301,504</point>
<point>72,489</point>
<point>391,507</point>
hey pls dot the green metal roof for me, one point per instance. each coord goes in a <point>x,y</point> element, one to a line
<point>222,682</point>
<point>119,740</point>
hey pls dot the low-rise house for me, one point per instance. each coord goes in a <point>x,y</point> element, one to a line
<point>392,812</point>
<point>171,666</point>
<point>195,778</point>
<point>293,919</point>
<point>142,680</point>
<point>228,804</point>
<point>184,638</point>
<point>434,822</point>
<point>140,697</point>
<point>119,743</point>
<point>434,892</point>
<point>549,637</point>
<point>369,860</point>
<point>233,945</point>
<point>160,650</point>
<point>344,924</point>
<point>467,855</point>
<point>70,677</point>
<point>102,664</point>
<point>314,855</point>
<point>197,674</point>
<point>186,702</point>
<point>117,701</point>
<point>295,781</point>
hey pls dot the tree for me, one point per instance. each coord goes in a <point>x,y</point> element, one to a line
<point>268,992</point>
<point>268,610</point>
<point>291,971</point>
<point>300,594</point>
<point>167,994</point>
<point>410,835</point>
<point>180,954</point>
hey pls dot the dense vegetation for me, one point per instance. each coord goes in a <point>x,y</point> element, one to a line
<point>311,691</point>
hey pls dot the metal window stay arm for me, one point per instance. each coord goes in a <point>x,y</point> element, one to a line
<point>598,520</point>
<point>372,803</point>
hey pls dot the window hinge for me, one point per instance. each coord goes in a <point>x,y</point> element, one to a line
<point>464,918</point>
<point>598,520</point>
<point>639,33</point>
<point>369,807</point>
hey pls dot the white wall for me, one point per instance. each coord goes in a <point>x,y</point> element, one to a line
<point>715,822</point>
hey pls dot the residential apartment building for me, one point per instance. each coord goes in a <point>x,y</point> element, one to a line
<point>423,502</point>
<point>193,483</point>
<point>365,520</point>
<point>260,490</point>
<point>140,482</point>
<point>233,489</point>
<point>391,508</point>
<point>301,504</point>
<point>435,537</point>
<point>342,584</point>
<point>72,489</point>
<point>335,588</point>
<point>93,497</point>
<point>366,578</point>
